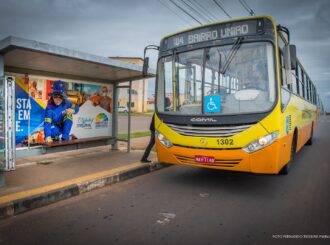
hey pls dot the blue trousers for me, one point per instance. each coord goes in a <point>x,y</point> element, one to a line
<point>64,130</point>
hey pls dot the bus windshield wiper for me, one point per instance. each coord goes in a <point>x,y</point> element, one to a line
<point>231,55</point>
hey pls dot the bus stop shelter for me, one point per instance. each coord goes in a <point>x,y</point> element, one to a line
<point>47,62</point>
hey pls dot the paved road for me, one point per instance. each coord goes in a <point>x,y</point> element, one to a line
<point>138,123</point>
<point>183,205</point>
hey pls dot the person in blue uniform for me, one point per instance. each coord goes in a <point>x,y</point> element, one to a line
<point>58,114</point>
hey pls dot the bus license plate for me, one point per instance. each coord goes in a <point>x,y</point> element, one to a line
<point>204,159</point>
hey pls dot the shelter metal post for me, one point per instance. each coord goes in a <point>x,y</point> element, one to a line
<point>128,140</point>
<point>129,118</point>
<point>115,95</point>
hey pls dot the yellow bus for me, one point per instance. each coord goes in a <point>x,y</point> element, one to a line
<point>232,95</point>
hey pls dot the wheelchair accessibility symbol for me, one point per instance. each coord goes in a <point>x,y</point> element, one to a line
<point>211,106</point>
<point>212,103</point>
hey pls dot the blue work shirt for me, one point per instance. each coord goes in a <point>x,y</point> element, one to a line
<point>55,115</point>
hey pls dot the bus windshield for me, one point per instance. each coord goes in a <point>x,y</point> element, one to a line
<point>217,80</point>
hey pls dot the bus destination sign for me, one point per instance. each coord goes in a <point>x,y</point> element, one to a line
<point>211,33</point>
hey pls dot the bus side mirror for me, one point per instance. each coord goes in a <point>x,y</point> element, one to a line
<point>145,67</point>
<point>146,59</point>
<point>293,56</point>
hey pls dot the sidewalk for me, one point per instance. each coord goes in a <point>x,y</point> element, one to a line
<point>44,179</point>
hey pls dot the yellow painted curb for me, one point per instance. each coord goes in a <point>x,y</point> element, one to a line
<point>24,194</point>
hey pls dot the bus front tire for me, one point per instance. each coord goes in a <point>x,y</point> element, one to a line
<point>286,168</point>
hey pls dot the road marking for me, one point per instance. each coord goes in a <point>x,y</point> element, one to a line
<point>204,195</point>
<point>167,218</point>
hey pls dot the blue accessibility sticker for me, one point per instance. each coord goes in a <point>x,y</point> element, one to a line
<point>212,103</point>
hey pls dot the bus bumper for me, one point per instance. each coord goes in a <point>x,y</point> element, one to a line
<point>263,161</point>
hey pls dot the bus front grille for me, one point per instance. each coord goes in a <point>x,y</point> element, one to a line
<point>209,130</point>
<point>217,162</point>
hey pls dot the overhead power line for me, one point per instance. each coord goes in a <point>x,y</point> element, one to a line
<point>195,11</point>
<point>174,12</point>
<point>247,7</point>
<point>186,12</point>
<point>219,5</point>
<point>203,10</point>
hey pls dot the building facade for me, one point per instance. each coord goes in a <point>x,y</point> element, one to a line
<point>139,91</point>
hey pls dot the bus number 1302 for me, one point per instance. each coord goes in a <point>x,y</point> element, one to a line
<point>225,141</point>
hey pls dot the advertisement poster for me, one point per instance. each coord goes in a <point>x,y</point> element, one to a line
<point>29,115</point>
<point>94,116</point>
<point>33,94</point>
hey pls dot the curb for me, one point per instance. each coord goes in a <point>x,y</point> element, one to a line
<point>18,203</point>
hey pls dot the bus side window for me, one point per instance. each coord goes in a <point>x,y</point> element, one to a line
<point>301,87</point>
<point>310,90</point>
<point>285,97</point>
<point>298,79</point>
<point>282,69</point>
<point>294,83</point>
<point>305,86</point>
<point>312,93</point>
<point>286,75</point>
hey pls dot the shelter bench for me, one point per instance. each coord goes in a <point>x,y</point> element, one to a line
<point>74,144</point>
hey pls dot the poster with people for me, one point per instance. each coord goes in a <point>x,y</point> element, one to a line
<point>49,110</point>
<point>94,116</point>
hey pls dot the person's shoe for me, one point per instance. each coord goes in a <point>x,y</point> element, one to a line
<point>145,161</point>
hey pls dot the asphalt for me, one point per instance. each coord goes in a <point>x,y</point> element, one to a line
<point>45,179</point>
<point>188,205</point>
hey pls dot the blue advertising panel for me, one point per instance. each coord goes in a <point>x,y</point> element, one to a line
<point>29,114</point>
<point>38,118</point>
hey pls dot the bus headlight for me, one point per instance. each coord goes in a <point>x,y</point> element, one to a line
<point>163,140</point>
<point>261,143</point>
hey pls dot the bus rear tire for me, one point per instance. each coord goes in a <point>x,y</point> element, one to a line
<point>286,169</point>
<point>310,140</point>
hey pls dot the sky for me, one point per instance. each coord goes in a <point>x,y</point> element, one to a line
<point>124,27</point>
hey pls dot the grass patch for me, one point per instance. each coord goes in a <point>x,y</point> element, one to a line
<point>136,114</point>
<point>134,135</point>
